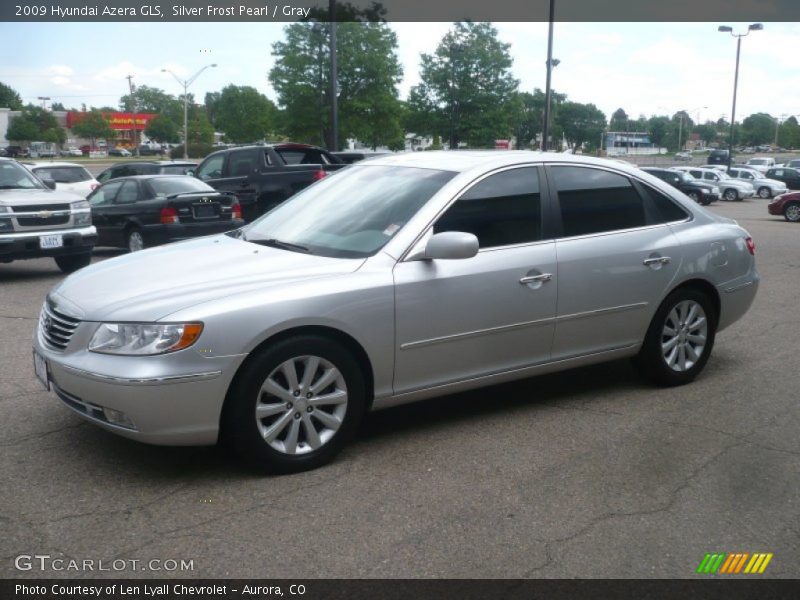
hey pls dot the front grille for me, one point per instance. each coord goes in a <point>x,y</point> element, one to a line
<point>56,327</point>
<point>39,207</point>
<point>42,222</point>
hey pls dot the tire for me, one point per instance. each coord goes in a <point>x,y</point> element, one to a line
<point>281,440</point>
<point>791,212</point>
<point>765,193</point>
<point>134,240</point>
<point>693,195</point>
<point>730,195</point>
<point>663,365</point>
<point>72,262</point>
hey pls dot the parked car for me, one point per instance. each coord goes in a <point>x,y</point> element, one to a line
<point>148,210</point>
<point>71,151</point>
<point>732,189</point>
<point>353,156</point>
<point>69,177</point>
<point>17,152</point>
<point>683,156</point>
<point>761,163</point>
<point>403,278</point>
<point>119,152</point>
<point>264,176</point>
<point>718,157</point>
<point>150,167</point>
<point>36,221</point>
<point>792,164</point>
<point>787,205</point>
<point>791,177</point>
<point>765,188</point>
<point>150,150</point>
<point>699,191</point>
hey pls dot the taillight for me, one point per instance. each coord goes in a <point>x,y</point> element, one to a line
<point>169,215</point>
<point>751,246</point>
<point>236,211</point>
<point>319,175</point>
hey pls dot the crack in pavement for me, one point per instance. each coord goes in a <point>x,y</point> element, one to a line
<point>39,435</point>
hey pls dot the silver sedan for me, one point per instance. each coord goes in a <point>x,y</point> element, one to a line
<point>403,278</point>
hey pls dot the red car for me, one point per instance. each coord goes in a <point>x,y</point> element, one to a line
<point>787,205</point>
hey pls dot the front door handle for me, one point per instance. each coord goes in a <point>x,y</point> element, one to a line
<point>536,278</point>
<point>661,260</point>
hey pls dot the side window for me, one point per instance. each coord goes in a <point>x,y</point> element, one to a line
<point>501,210</point>
<point>212,168</point>
<point>696,174</point>
<point>667,209</point>
<point>241,163</point>
<point>128,194</point>
<point>595,201</point>
<point>104,176</point>
<point>105,194</point>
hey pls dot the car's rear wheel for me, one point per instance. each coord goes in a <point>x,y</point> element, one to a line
<point>295,405</point>
<point>680,338</point>
<point>764,192</point>
<point>73,262</point>
<point>791,212</point>
<point>730,195</point>
<point>135,240</point>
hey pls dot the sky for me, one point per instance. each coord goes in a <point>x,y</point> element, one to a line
<point>644,68</point>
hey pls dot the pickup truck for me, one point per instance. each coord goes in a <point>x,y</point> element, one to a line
<point>36,221</point>
<point>264,176</point>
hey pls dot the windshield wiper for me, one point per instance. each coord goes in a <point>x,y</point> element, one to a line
<point>273,243</point>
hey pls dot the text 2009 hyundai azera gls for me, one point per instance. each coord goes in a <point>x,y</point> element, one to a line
<point>411,276</point>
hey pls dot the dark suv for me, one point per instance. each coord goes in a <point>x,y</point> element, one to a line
<point>154,167</point>
<point>697,190</point>
<point>718,157</point>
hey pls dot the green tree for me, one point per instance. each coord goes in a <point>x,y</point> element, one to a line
<point>211,100</point>
<point>368,74</point>
<point>243,114</point>
<point>527,116</point>
<point>758,128</point>
<point>619,121</point>
<point>154,100</point>
<point>658,127</point>
<point>22,129</point>
<point>200,129</point>
<point>162,129</point>
<point>93,126</point>
<point>57,106</point>
<point>707,132</point>
<point>789,133</point>
<point>581,124</point>
<point>36,124</point>
<point>9,98</point>
<point>467,86</point>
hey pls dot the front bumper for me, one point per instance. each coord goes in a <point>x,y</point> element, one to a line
<point>17,246</point>
<point>172,399</point>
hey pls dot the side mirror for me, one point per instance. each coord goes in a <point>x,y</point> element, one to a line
<point>190,172</point>
<point>448,245</point>
<point>49,183</point>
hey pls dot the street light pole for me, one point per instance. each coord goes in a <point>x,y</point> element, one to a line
<point>334,80</point>
<point>738,36</point>
<point>185,84</point>
<point>546,126</point>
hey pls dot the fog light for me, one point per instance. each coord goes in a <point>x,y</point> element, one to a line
<point>116,417</point>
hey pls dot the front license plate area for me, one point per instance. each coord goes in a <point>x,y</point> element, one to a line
<point>51,241</point>
<point>40,368</point>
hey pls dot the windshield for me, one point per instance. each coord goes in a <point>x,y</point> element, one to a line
<point>14,176</point>
<point>685,176</point>
<point>351,214</point>
<point>757,161</point>
<point>64,174</point>
<point>167,186</point>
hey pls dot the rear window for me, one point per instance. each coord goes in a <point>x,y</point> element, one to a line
<point>167,186</point>
<point>302,156</point>
<point>63,174</point>
<point>176,169</point>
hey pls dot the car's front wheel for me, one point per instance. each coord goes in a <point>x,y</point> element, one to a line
<point>73,262</point>
<point>764,192</point>
<point>791,212</point>
<point>730,195</point>
<point>680,338</point>
<point>295,405</point>
<point>694,195</point>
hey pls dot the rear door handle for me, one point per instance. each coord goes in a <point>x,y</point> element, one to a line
<point>661,260</point>
<point>534,278</point>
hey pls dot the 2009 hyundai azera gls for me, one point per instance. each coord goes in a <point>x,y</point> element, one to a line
<point>406,277</point>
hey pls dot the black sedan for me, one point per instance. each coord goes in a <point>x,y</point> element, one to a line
<point>147,210</point>
<point>789,176</point>
<point>697,190</point>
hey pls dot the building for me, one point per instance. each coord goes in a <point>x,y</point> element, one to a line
<point>619,143</point>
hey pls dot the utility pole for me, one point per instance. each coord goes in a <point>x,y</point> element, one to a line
<point>546,127</point>
<point>44,100</point>
<point>134,136</point>
<point>334,79</point>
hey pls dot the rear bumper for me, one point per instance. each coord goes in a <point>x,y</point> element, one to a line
<point>18,246</point>
<point>174,232</point>
<point>736,296</point>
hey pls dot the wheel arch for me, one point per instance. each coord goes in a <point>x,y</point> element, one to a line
<point>706,287</point>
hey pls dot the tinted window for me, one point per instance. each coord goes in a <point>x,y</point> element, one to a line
<point>500,210</point>
<point>64,174</point>
<point>212,168</point>
<point>301,156</point>
<point>105,194</point>
<point>129,193</point>
<point>594,201</point>
<point>241,163</point>
<point>667,209</point>
<point>104,176</point>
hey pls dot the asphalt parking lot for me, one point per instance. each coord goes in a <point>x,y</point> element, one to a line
<point>588,473</point>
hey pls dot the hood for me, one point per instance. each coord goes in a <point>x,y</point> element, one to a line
<point>766,181</point>
<point>148,285</point>
<point>36,196</point>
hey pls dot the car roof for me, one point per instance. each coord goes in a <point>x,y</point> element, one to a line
<point>54,164</point>
<point>154,176</point>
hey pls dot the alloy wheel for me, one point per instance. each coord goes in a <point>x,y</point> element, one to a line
<point>684,336</point>
<point>792,213</point>
<point>135,241</point>
<point>730,195</point>
<point>764,193</point>
<point>301,405</point>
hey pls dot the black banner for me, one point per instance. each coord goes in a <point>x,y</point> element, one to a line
<point>402,10</point>
<point>401,589</point>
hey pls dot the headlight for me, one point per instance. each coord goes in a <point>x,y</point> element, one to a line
<point>143,339</point>
<point>81,212</point>
<point>5,222</point>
